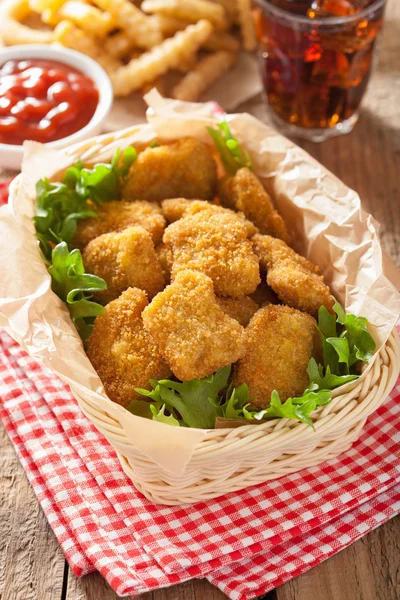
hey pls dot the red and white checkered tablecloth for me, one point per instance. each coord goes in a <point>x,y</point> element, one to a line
<point>246,543</point>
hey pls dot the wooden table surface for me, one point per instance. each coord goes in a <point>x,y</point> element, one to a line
<point>32,566</point>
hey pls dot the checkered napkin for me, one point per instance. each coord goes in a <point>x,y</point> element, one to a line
<point>246,543</point>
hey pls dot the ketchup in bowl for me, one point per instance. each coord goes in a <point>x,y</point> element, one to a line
<point>43,100</point>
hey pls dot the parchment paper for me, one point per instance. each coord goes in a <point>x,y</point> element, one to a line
<point>326,217</point>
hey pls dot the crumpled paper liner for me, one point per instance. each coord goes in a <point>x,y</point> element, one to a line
<point>324,215</point>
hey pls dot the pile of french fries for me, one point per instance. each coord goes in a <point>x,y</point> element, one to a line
<point>138,43</point>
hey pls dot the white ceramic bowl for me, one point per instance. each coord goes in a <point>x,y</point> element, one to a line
<point>11,155</point>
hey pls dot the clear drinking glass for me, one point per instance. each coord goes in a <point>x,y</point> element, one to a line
<point>316,59</point>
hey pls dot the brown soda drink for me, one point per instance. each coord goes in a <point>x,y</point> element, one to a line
<point>316,58</point>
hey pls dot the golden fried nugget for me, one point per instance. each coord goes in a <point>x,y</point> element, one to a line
<point>125,259</point>
<point>123,353</point>
<point>279,345</point>
<point>240,309</point>
<point>192,332</point>
<point>166,259</point>
<point>176,208</point>
<point>245,192</point>
<point>293,278</point>
<point>117,215</point>
<point>184,169</point>
<point>215,244</point>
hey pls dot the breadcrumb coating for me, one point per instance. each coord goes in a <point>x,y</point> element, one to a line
<point>175,208</point>
<point>183,169</point>
<point>240,309</point>
<point>117,215</point>
<point>193,333</point>
<point>121,350</point>
<point>293,278</point>
<point>125,259</point>
<point>165,258</point>
<point>279,346</point>
<point>244,192</point>
<point>215,244</point>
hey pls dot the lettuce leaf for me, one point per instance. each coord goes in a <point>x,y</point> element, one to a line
<point>233,157</point>
<point>345,342</point>
<point>326,380</point>
<point>103,181</point>
<point>73,286</point>
<point>199,402</point>
<point>194,401</point>
<point>60,205</point>
<point>298,409</point>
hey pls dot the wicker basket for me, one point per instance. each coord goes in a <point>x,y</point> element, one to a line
<point>231,459</point>
<point>225,460</point>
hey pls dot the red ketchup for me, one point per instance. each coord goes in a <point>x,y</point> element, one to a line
<point>43,100</point>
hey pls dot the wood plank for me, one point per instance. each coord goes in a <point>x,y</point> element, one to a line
<point>367,570</point>
<point>94,587</point>
<point>90,587</point>
<point>31,562</point>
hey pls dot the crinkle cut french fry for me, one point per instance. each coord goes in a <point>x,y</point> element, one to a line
<point>230,9</point>
<point>222,40</point>
<point>89,18</point>
<point>205,73</point>
<point>188,10</point>
<point>119,45</point>
<point>169,25</point>
<point>50,17</point>
<point>40,6</point>
<point>142,30</point>
<point>160,59</point>
<point>247,25</point>
<point>17,10</point>
<point>159,84</point>
<point>68,35</point>
<point>12,32</point>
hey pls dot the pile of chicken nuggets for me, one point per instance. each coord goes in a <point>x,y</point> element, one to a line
<point>200,275</point>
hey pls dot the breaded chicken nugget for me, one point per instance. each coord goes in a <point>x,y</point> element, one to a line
<point>215,244</point>
<point>118,215</point>
<point>245,192</point>
<point>183,169</point>
<point>165,258</point>
<point>176,208</point>
<point>279,345</point>
<point>293,278</point>
<point>240,309</point>
<point>121,350</point>
<point>272,251</point>
<point>193,333</point>
<point>125,259</point>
